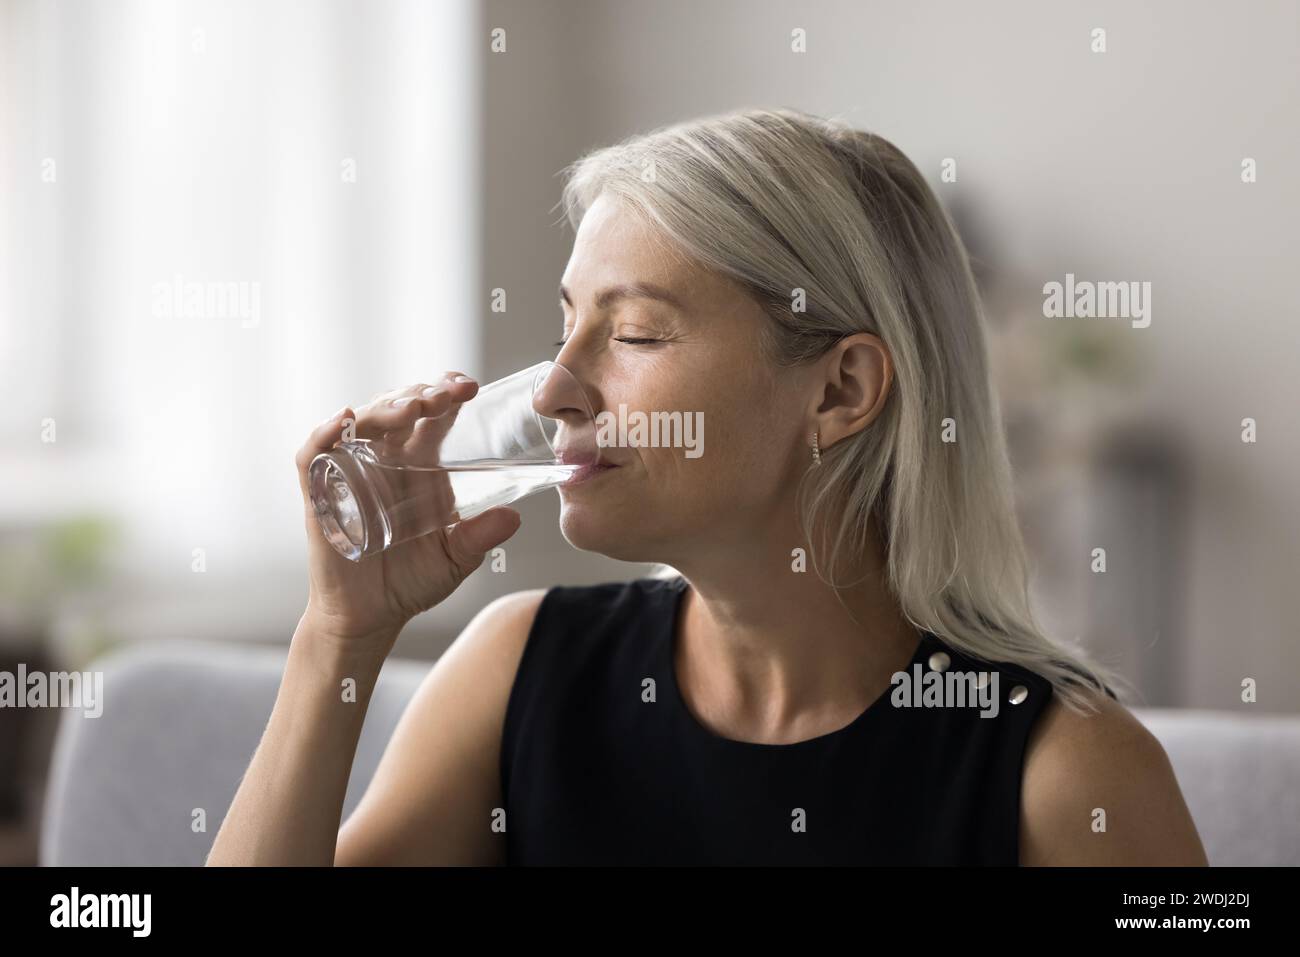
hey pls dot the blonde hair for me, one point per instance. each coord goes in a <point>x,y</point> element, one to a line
<point>782,201</point>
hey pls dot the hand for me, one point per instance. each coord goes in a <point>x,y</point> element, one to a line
<point>371,600</point>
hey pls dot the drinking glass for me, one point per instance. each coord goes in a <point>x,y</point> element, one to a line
<point>497,448</point>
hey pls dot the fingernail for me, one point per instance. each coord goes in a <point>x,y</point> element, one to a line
<point>398,403</point>
<point>335,416</point>
<point>462,378</point>
<point>430,392</point>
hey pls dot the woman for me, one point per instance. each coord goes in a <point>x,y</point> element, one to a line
<point>797,284</point>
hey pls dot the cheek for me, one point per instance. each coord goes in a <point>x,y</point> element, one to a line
<point>726,455</point>
<point>733,442</point>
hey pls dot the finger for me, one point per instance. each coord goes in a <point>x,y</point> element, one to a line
<point>469,541</point>
<point>400,412</point>
<point>321,439</point>
<point>424,389</point>
<point>421,444</point>
<point>427,497</point>
<point>388,394</point>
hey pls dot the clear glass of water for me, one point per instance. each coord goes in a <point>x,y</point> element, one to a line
<point>530,431</point>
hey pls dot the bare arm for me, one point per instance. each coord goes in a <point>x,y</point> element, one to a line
<point>435,794</point>
<point>288,805</point>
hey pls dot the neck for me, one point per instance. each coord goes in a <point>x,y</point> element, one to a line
<point>764,652</point>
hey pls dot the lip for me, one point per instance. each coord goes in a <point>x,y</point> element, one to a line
<point>588,472</point>
<point>577,455</point>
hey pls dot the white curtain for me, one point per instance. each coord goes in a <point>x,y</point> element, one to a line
<point>316,159</point>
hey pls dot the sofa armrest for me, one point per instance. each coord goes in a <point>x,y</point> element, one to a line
<point>179,726</point>
<point>1240,775</point>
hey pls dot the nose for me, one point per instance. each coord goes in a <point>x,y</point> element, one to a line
<point>559,395</point>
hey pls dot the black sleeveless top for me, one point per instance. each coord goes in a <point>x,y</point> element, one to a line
<point>601,766</point>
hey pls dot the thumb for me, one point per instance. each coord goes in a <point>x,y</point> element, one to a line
<point>470,540</point>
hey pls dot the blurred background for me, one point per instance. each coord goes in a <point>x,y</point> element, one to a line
<point>368,173</point>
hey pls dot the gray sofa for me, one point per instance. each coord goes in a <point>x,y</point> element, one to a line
<point>181,721</point>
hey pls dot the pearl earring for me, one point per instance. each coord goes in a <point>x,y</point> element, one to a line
<point>817,452</point>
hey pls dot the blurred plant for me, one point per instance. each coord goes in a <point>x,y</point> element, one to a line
<point>1098,353</point>
<point>42,566</point>
<point>1052,373</point>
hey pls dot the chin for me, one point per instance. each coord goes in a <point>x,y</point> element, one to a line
<point>607,532</point>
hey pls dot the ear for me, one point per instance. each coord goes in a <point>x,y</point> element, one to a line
<point>856,376</point>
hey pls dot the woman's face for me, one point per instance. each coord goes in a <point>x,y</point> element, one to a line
<point>735,482</point>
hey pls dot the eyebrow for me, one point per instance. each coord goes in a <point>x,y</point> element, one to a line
<point>630,290</point>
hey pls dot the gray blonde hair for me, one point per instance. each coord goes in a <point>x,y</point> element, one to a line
<point>782,201</point>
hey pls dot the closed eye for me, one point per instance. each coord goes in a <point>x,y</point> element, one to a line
<point>625,339</point>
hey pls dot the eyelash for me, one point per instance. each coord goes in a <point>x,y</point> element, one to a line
<point>626,339</point>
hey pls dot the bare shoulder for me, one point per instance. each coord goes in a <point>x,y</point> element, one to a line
<point>1098,789</point>
<point>473,678</point>
<point>480,664</point>
<point>432,798</point>
<point>495,637</point>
